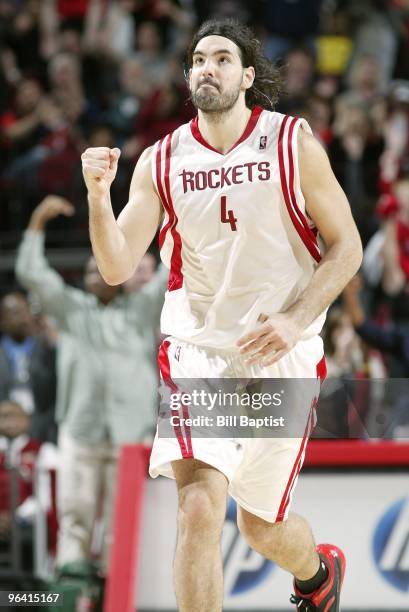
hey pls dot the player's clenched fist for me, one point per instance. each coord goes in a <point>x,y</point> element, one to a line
<point>99,166</point>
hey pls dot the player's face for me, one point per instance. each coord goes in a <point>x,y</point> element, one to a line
<point>217,75</point>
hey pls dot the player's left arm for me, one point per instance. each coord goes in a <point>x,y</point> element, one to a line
<point>328,207</point>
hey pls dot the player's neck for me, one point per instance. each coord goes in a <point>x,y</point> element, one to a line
<point>223,130</point>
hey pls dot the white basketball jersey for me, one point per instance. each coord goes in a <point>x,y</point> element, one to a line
<point>235,236</point>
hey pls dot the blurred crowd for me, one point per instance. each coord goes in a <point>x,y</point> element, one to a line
<point>79,73</point>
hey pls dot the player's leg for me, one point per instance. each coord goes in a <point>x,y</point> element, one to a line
<point>202,492</point>
<point>110,480</point>
<point>78,486</point>
<point>264,484</point>
<point>318,570</point>
<point>290,543</point>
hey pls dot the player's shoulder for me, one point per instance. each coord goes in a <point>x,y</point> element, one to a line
<point>278,122</point>
<point>289,122</point>
<point>309,147</point>
<point>146,155</point>
<point>308,144</point>
<point>312,158</point>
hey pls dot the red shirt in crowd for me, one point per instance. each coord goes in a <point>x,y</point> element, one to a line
<point>27,456</point>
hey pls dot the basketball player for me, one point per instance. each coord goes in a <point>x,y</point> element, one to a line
<point>259,239</point>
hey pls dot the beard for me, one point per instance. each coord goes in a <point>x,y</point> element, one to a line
<point>213,103</point>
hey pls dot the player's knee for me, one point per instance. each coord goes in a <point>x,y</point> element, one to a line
<point>199,512</point>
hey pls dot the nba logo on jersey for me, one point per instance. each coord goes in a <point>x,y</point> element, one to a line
<point>177,352</point>
<point>263,142</point>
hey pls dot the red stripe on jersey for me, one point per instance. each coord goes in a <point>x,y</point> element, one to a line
<point>162,234</point>
<point>301,217</point>
<point>322,370</point>
<point>164,368</point>
<point>311,246</point>
<point>295,471</point>
<point>251,124</point>
<point>175,275</point>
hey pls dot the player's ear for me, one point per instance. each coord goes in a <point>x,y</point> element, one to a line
<point>249,75</point>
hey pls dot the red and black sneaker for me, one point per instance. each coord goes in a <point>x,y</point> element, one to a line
<point>327,597</point>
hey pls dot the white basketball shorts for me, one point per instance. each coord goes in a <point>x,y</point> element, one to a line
<point>262,472</point>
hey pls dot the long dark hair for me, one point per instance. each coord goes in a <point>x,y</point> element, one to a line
<point>268,81</point>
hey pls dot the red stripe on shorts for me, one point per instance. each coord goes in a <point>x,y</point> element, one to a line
<point>185,411</point>
<point>164,368</point>
<point>294,472</point>
<point>321,369</point>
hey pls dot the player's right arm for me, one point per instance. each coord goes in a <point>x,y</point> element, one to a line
<point>119,244</point>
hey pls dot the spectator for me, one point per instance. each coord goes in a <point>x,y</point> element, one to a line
<point>354,153</point>
<point>28,135</point>
<point>135,87</point>
<point>162,113</point>
<point>298,78</point>
<point>117,32</point>
<point>66,87</point>
<point>393,340</point>
<point>107,381</point>
<point>23,37</point>
<point>27,366</point>
<point>176,22</point>
<point>18,453</point>
<point>396,133</point>
<point>365,82</point>
<point>376,43</point>
<point>25,122</point>
<point>289,24</point>
<point>402,28</point>
<point>343,352</point>
<point>318,115</point>
<point>351,395</point>
<point>149,51</point>
<point>396,243</point>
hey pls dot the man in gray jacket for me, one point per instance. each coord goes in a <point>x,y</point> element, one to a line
<point>106,378</point>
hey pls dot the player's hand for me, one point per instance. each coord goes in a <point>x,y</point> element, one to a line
<point>273,338</point>
<point>99,167</point>
<point>52,206</point>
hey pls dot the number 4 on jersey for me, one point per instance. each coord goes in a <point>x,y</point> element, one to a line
<point>227,216</point>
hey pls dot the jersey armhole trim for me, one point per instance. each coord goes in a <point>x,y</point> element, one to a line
<point>163,182</point>
<point>288,165</point>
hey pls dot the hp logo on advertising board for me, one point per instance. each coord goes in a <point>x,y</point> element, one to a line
<point>391,545</point>
<point>244,569</point>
